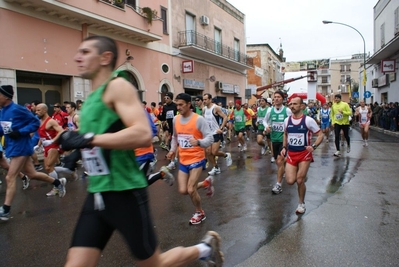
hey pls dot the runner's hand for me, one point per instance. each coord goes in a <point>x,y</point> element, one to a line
<point>73,140</point>
<point>14,135</point>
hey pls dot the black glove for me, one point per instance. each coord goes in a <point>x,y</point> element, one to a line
<point>73,140</point>
<point>14,135</point>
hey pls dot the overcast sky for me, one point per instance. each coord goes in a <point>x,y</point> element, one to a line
<point>303,35</point>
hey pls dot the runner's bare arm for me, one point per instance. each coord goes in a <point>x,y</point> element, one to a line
<point>122,97</point>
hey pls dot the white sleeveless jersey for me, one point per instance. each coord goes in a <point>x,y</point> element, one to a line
<point>363,114</point>
<point>211,119</point>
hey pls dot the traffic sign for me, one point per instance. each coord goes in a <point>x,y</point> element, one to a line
<point>355,95</point>
<point>367,94</point>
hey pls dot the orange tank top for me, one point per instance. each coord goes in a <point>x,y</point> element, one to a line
<point>188,154</point>
<point>144,150</point>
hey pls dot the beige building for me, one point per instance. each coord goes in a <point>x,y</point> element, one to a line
<point>42,38</point>
<point>209,42</point>
<point>267,68</point>
<point>344,78</point>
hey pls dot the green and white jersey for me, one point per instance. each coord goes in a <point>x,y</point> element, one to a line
<point>261,116</point>
<point>275,119</point>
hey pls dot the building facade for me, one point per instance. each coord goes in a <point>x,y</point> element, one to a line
<point>267,69</point>
<point>209,45</point>
<point>382,69</point>
<point>344,78</point>
<point>43,36</point>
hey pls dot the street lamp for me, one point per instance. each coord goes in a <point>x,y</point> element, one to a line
<point>364,50</point>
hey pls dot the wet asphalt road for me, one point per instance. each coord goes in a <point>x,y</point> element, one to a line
<point>243,209</point>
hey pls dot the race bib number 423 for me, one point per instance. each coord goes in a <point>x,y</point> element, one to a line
<point>183,140</point>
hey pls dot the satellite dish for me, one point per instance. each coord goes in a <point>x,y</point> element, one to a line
<point>212,78</point>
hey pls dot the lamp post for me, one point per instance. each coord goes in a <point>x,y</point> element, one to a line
<point>364,50</point>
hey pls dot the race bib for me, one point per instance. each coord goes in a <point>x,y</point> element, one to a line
<point>364,119</point>
<point>238,119</point>
<point>339,116</point>
<point>183,140</point>
<point>170,114</point>
<point>296,139</point>
<point>94,162</point>
<point>278,127</point>
<point>260,120</point>
<point>6,125</point>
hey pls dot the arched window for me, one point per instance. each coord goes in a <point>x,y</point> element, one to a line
<point>133,80</point>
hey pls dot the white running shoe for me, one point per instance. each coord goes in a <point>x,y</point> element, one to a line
<point>210,190</point>
<point>167,176</point>
<point>263,150</point>
<point>229,160</point>
<point>272,160</point>
<point>171,165</point>
<point>301,209</point>
<point>337,154</point>
<point>214,171</point>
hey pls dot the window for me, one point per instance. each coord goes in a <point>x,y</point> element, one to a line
<point>164,17</point>
<point>131,3</point>
<point>324,80</point>
<point>218,41</point>
<point>345,68</point>
<point>236,49</point>
<point>382,34</point>
<point>190,29</point>
<point>396,15</point>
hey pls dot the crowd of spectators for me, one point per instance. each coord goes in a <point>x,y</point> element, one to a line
<point>386,115</point>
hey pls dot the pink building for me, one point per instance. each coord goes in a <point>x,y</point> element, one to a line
<point>155,41</point>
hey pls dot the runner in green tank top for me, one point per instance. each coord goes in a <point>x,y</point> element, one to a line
<point>117,198</point>
<point>240,116</point>
<point>274,122</point>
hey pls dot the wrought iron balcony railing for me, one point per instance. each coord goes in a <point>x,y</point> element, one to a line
<point>193,38</point>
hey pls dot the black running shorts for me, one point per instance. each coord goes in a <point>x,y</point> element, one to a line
<point>125,211</point>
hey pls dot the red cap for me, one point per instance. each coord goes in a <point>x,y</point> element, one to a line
<point>238,102</point>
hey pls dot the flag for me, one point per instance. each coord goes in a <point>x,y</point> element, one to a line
<point>364,77</point>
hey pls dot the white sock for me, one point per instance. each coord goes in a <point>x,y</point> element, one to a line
<point>53,174</point>
<point>204,250</point>
<point>278,184</point>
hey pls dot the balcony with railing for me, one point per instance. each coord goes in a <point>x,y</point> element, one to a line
<point>203,47</point>
<point>121,17</point>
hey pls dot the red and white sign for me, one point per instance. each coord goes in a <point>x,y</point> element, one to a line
<point>388,65</point>
<point>188,66</point>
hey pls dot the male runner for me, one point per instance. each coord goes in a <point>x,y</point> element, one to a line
<point>240,116</point>
<point>297,146</point>
<point>49,132</point>
<point>192,134</point>
<point>117,198</point>
<point>262,110</point>
<point>274,124</point>
<point>16,125</point>
<point>340,112</point>
<point>325,120</point>
<point>212,113</point>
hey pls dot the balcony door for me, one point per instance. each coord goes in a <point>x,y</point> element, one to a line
<point>190,29</point>
<point>218,41</point>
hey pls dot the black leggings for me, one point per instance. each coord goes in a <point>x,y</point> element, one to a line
<point>337,129</point>
<point>125,211</point>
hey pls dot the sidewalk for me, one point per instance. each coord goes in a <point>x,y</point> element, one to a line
<point>357,226</point>
<point>381,130</point>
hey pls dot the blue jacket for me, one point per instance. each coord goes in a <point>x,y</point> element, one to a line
<point>17,118</point>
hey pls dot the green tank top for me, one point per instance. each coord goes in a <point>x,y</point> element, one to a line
<point>239,119</point>
<point>111,170</point>
<point>277,124</point>
<point>261,116</point>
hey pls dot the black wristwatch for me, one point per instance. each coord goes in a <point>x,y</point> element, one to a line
<point>314,146</point>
